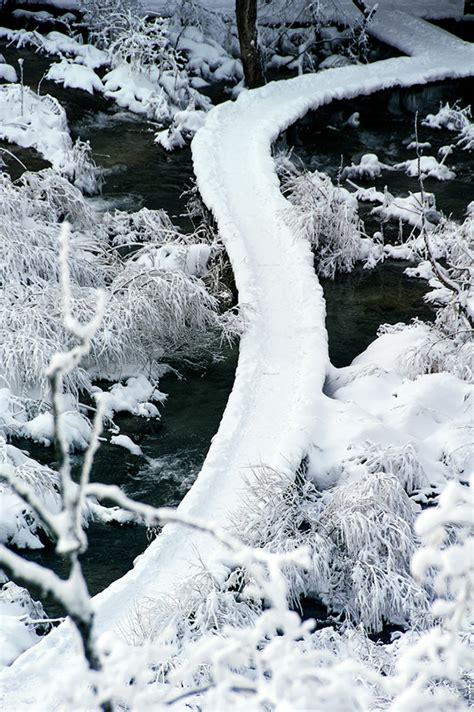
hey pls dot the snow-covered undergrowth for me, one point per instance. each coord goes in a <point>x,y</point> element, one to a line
<point>162,303</point>
<point>18,621</point>
<point>456,119</point>
<point>398,422</point>
<point>158,66</point>
<point>218,645</point>
<point>145,73</point>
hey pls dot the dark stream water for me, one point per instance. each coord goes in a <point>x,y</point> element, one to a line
<point>138,174</point>
<point>142,174</point>
<point>357,303</point>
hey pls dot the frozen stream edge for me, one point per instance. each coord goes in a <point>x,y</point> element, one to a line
<point>277,400</point>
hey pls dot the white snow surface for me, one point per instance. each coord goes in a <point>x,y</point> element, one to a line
<point>75,76</point>
<point>7,72</point>
<point>272,412</point>
<point>35,121</point>
<point>336,9</point>
<point>127,443</point>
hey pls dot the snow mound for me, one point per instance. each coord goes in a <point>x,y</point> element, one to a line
<point>427,167</point>
<point>135,397</point>
<point>369,167</point>
<point>8,73</point>
<point>75,76</point>
<point>127,443</point>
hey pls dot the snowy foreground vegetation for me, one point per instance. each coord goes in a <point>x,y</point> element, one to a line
<point>366,511</point>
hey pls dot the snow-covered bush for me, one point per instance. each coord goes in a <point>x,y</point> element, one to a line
<point>158,306</point>
<point>454,119</point>
<point>360,537</point>
<point>23,622</point>
<point>435,671</point>
<point>327,216</point>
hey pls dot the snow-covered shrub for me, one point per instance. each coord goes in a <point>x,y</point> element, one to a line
<point>446,251</point>
<point>19,629</point>
<point>158,306</point>
<point>435,671</point>
<point>150,316</point>
<point>30,212</point>
<point>401,461</point>
<point>97,14</point>
<point>126,229</point>
<point>454,119</point>
<point>360,537</point>
<point>370,521</point>
<point>327,216</point>
<point>19,526</point>
<point>437,352</point>
<point>277,515</point>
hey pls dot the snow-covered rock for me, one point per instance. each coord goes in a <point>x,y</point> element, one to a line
<point>134,397</point>
<point>7,73</point>
<point>127,443</point>
<point>75,76</point>
<point>369,167</point>
<point>427,167</point>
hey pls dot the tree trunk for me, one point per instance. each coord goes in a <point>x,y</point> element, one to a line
<point>246,14</point>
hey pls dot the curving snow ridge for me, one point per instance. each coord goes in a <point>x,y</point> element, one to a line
<point>283,354</point>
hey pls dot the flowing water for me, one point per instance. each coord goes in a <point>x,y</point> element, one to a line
<point>138,173</point>
<point>358,302</point>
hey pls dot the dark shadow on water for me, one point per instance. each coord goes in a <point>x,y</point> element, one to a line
<point>357,303</point>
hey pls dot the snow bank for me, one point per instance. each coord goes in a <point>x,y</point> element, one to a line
<point>76,429</point>
<point>425,422</point>
<point>34,121</point>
